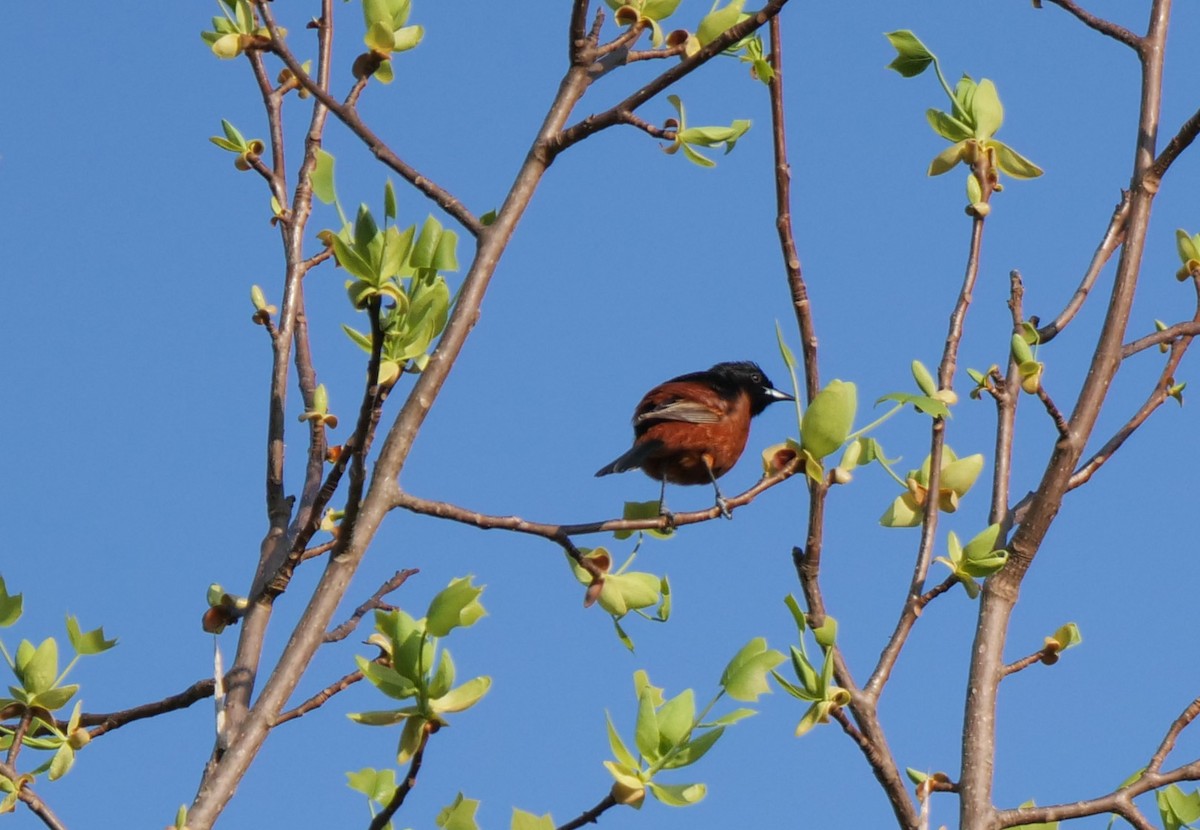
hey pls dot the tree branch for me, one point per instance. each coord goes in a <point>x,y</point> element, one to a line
<point>35,804</point>
<point>349,116</point>
<point>410,780</point>
<point>1105,27</point>
<point>590,816</point>
<point>199,690</point>
<point>376,601</point>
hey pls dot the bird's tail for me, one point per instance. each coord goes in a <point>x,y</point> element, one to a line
<point>631,460</point>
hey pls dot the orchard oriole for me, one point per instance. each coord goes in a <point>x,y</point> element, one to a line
<point>692,429</point>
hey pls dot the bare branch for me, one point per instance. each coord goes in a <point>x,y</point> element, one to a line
<point>783,220</point>
<point>320,698</point>
<point>349,116</point>
<point>646,126</point>
<point>1180,723</point>
<point>556,532</point>
<point>376,601</point>
<point>603,120</point>
<point>35,804</point>
<point>410,780</point>
<point>199,690</point>
<point>1114,235</point>
<point>590,816</point>
<point>1105,27</point>
<point>1191,328</point>
<point>1060,423</point>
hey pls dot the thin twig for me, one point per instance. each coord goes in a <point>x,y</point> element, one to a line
<point>349,116</point>
<point>1007,393</point>
<point>1025,662</point>
<point>1060,422</point>
<point>199,690</point>
<point>1180,723</point>
<point>554,532</point>
<point>1105,27</point>
<point>18,738</point>
<point>1191,328</point>
<point>1114,236</point>
<point>599,121</point>
<point>320,698</point>
<point>376,601</point>
<point>647,127</point>
<point>31,799</point>
<point>590,816</point>
<point>410,780</point>
<point>783,220</point>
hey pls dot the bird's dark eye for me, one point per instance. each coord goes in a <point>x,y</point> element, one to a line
<point>756,378</point>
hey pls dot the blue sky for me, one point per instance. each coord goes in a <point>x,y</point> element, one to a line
<point>136,392</point>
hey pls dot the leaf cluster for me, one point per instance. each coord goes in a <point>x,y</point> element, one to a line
<point>411,666</point>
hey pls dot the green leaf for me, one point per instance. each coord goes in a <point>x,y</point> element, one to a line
<point>443,677</point>
<point>959,475</point>
<point>1013,163</point>
<point>646,734</point>
<point>91,642</point>
<point>730,718</point>
<point>377,785</point>
<point>912,58</point>
<point>947,126</point>
<point>407,38</point>
<point>930,406</point>
<point>11,606</point>
<point>1186,246</point>
<point>713,24</point>
<point>411,737</point>
<point>61,763</point>
<point>37,668</point>
<point>388,679</point>
<point>745,677</point>
<point>692,751</point>
<point>522,820</point>
<point>659,9</point>
<point>946,160</point>
<point>354,264</point>
<point>1067,636</point>
<point>620,752</point>
<point>445,257</point>
<point>464,697</point>
<point>676,718</point>
<point>54,698</point>
<point>379,36</point>
<point>986,110</point>
<point>455,606</point>
<point>389,717</point>
<point>798,615</point>
<point>459,815</point>
<point>389,200</point>
<point>678,795</point>
<point>322,178</point>
<point>827,422</point>
<point>427,244</point>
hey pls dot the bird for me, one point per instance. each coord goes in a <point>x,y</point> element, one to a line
<point>693,428</point>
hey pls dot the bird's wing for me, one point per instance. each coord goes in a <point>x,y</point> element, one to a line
<point>689,402</point>
<point>692,412</point>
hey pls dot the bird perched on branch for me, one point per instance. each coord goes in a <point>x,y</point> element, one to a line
<point>692,429</point>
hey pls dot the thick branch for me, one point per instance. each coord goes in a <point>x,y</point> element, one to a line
<point>1000,591</point>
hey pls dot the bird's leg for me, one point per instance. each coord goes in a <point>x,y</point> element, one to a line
<point>662,505</point>
<point>721,503</point>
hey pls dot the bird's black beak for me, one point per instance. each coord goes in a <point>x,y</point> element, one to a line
<point>775,395</point>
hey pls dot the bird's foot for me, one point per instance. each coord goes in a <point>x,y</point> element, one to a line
<point>724,505</point>
<point>664,513</point>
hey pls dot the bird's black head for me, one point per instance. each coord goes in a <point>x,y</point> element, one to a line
<point>745,375</point>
